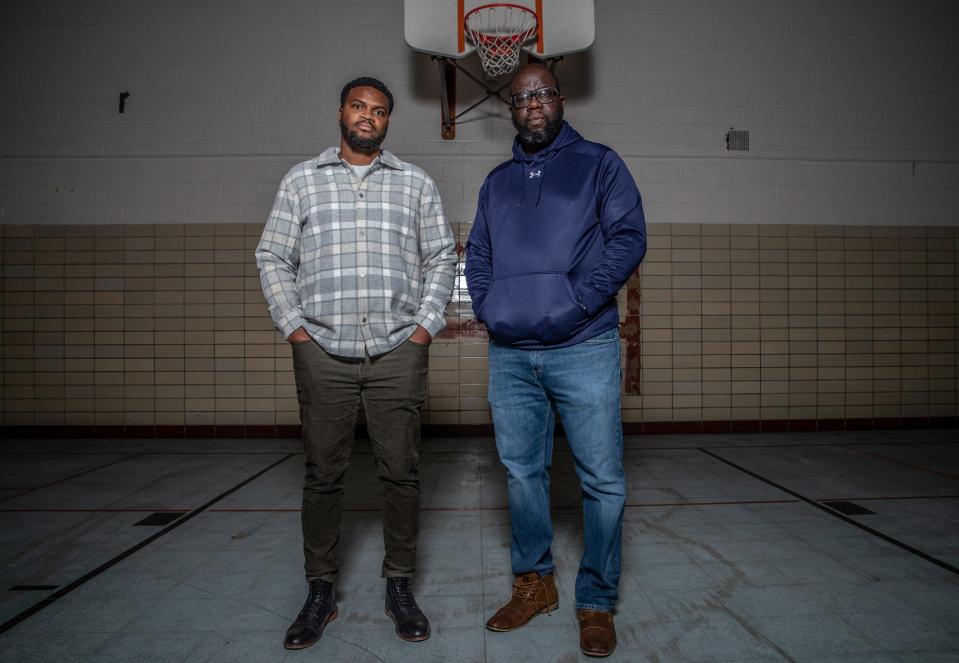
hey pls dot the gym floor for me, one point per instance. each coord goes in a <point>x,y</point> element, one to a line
<point>759,547</point>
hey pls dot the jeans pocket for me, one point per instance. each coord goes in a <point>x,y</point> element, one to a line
<point>611,336</point>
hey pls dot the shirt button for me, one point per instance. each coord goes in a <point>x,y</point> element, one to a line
<point>361,195</point>
<point>364,319</point>
<point>362,234</point>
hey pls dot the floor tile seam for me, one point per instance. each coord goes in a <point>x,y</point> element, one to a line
<point>828,445</point>
<point>719,594</point>
<point>147,453</point>
<point>471,510</point>
<point>429,594</point>
<point>890,498</point>
<point>483,597</point>
<point>68,588</point>
<point>835,514</point>
<point>726,613</point>
<point>693,446</point>
<point>71,477</point>
<point>954,477</point>
<point>241,598</point>
<point>870,636</point>
<point>866,641</point>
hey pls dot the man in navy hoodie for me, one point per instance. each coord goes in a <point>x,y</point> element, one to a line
<point>558,231</point>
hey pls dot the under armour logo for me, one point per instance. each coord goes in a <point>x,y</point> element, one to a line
<point>535,173</point>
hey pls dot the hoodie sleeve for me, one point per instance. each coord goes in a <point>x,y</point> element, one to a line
<point>479,256</point>
<point>624,227</point>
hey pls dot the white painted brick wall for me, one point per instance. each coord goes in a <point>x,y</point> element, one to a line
<point>851,107</point>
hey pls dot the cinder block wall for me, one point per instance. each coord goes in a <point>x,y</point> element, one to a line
<point>810,279</point>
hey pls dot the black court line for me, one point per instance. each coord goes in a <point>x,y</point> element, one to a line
<point>59,594</point>
<point>835,514</point>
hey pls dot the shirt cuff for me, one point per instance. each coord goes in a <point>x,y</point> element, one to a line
<point>431,322</point>
<point>289,323</point>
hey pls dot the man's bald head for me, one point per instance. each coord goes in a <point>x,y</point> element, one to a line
<point>538,113</point>
<point>533,69</point>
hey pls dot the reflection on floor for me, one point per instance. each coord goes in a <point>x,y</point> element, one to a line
<point>729,553</point>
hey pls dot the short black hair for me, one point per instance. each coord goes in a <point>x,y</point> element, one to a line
<point>366,81</point>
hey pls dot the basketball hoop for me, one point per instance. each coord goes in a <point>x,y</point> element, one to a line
<point>498,31</point>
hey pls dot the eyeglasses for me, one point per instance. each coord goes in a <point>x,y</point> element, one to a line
<point>544,95</point>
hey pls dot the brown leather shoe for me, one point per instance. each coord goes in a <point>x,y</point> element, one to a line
<point>597,635</point>
<point>532,594</point>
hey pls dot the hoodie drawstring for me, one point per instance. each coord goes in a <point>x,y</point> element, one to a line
<point>539,187</point>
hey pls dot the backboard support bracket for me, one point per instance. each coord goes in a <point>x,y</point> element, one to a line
<point>447,71</point>
<point>549,63</point>
<point>447,97</point>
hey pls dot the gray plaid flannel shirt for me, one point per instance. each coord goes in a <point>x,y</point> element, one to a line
<point>357,263</point>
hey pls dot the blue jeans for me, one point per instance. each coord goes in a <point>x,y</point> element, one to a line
<point>527,388</point>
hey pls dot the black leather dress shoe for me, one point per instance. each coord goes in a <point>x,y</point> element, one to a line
<point>318,611</point>
<point>411,624</point>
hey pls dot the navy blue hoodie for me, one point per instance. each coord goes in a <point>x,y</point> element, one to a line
<point>557,234</point>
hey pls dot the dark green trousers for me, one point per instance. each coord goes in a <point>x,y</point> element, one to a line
<point>392,388</point>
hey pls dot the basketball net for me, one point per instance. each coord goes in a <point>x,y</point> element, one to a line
<point>498,31</point>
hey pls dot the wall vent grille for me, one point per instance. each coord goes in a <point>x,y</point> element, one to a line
<point>737,140</point>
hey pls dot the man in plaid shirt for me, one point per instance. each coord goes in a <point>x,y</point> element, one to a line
<point>357,265</point>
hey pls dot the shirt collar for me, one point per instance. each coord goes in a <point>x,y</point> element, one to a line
<point>331,156</point>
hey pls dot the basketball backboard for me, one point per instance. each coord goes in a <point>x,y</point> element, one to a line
<point>436,26</point>
<point>445,29</point>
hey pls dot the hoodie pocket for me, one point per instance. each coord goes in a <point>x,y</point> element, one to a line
<point>532,307</point>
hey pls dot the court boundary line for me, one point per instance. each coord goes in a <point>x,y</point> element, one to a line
<point>46,602</point>
<point>835,514</point>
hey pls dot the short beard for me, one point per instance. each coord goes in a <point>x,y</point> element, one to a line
<point>358,143</point>
<point>540,138</point>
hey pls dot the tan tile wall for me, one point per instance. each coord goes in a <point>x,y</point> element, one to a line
<point>775,322</point>
<point>165,325</point>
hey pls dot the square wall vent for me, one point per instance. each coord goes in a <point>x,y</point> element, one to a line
<point>737,140</point>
